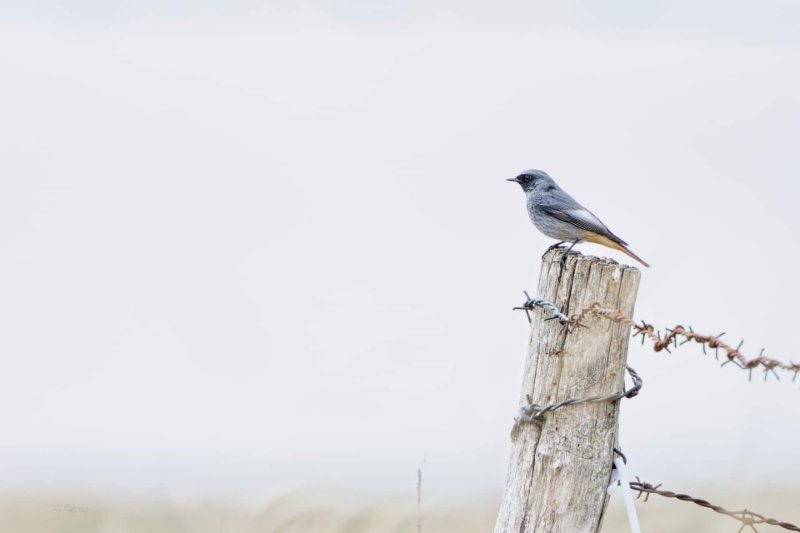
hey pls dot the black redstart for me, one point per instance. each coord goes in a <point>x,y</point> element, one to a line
<point>558,215</point>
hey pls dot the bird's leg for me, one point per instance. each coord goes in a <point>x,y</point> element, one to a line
<point>564,256</point>
<point>553,247</point>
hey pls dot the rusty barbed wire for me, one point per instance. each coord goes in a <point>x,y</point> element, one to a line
<point>533,413</point>
<point>746,517</point>
<point>670,337</point>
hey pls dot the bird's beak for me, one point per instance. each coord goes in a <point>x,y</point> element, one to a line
<point>515,180</point>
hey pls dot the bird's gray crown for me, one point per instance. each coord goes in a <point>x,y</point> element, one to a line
<point>528,179</point>
<point>535,173</point>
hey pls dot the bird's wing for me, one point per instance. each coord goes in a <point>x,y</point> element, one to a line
<point>577,215</point>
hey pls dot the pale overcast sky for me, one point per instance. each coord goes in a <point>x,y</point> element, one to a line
<point>267,246</point>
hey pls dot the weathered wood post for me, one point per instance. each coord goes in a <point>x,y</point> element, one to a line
<point>559,471</point>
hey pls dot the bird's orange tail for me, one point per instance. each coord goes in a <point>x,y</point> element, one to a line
<point>605,241</point>
<point>622,248</point>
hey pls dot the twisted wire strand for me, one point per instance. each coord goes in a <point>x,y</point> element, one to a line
<point>534,413</point>
<point>530,303</point>
<point>746,517</point>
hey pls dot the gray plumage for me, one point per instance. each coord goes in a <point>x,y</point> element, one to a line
<point>558,215</point>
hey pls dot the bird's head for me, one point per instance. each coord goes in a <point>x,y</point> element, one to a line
<point>530,179</point>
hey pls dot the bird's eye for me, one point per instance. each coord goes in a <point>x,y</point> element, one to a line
<point>524,179</point>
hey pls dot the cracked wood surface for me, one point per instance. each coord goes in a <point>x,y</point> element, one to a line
<point>558,473</point>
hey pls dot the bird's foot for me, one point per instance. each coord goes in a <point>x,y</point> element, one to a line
<point>556,246</point>
<point>563,260</point>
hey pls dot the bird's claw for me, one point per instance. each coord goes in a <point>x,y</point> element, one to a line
<point>556,246</point>
<point>563,260</point>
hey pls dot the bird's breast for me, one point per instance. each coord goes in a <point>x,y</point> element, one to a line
<point>550,225</point>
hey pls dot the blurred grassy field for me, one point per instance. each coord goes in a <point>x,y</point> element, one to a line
<point>318,511</point>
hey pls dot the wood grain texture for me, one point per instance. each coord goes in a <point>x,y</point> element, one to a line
<point>558,473</point>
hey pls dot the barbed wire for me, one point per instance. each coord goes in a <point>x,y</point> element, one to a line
<point>670,337</point>
<point>530,303</point>
<point>746,517</point>
<point>733,355</point>
<point>534,413</point>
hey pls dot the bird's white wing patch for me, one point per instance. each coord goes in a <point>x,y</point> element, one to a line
<point>583,218</point>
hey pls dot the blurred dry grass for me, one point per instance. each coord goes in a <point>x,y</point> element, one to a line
<point>315,511</point>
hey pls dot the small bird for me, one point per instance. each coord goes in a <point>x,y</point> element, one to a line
<point>558,215</point>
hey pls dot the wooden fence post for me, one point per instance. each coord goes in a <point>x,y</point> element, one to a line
<point>559,472</point>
